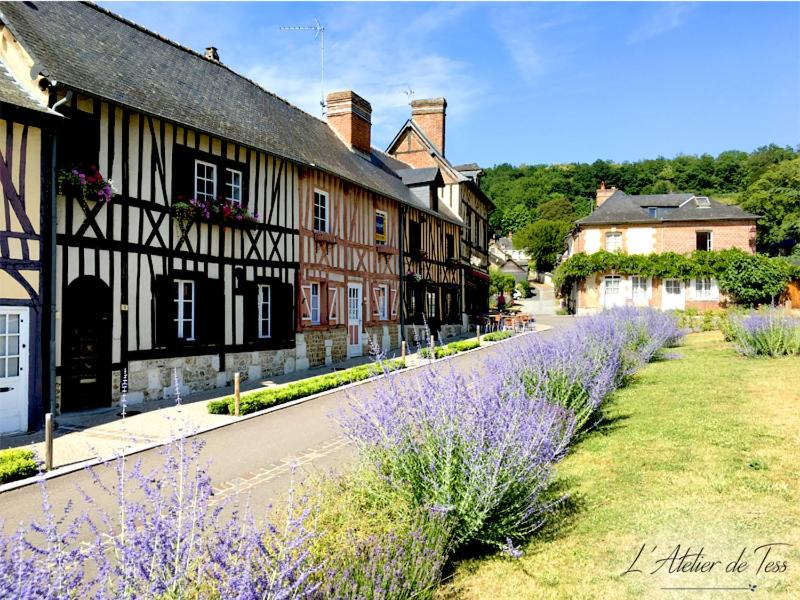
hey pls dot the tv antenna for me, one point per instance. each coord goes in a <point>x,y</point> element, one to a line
<point>319,32</point>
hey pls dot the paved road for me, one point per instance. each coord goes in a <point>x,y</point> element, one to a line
<point>255,455</point>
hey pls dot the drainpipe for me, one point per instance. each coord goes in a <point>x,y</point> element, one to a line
<point>402,213</point>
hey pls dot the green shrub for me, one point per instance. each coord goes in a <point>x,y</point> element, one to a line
<point>17,463</point>
<point>496,336</point>
<point>261,399</point>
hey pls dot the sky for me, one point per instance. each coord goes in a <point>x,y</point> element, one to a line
<point>525,83</point>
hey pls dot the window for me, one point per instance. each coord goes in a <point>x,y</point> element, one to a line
<point>184,296</point>
<point>414,236</point>
<point>233,185</point>
<point>612,285</point>
<point>380,227</point>
<point>652,212</point>
<point>9,345</point>
<point>314,304</point>
<point>613,241</point>
<point>672,286</point>
<point>703,240</point>
<point>430,304</point>
<point>639,287</point>
<point>383,292</point>
<point>205,180</point>
<point>702,287</point>
<point>450,245</point>
<point>264,307</point>
<point>320,211</point>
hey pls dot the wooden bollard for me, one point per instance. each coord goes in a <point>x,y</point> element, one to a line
<point>478,329</point>
<point>403,351</point>
<point>432,347</point>
<point>237,379</point>
<point>48,442</point>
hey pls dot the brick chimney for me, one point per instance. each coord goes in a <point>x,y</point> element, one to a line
<point>350,116</point>
<point>212,54</point>
<point>429,116</point>
<point>604,194</point>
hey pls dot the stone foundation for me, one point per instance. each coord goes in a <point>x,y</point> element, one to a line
<point>320,347</point>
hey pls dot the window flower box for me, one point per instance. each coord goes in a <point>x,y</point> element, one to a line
<point>417,254</point>
<point>324,237</point>
<point>219,211</point>
<point>86,183</point>
<point>384,249</point>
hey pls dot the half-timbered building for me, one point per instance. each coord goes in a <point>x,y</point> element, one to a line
<point>420,144</point>
<point>210,253</point>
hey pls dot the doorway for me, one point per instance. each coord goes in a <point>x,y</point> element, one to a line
<point>354,319</point>
<point>13,369</point>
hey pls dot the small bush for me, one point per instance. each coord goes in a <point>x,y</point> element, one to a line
<point>768,333</point>
<point>259,400</point>
<point>450,349</point>
<point>496,336</point>
<point>17,463</point>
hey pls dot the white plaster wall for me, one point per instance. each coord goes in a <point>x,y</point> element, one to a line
<point>591,240</point>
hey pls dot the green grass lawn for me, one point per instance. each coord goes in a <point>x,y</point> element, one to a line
<point>702,451</point>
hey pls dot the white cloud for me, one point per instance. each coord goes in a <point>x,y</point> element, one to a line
<point>662,19</point>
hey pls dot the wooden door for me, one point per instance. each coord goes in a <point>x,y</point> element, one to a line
<point>86,345</point>
<point>13,369</point>
<point>354,318</point>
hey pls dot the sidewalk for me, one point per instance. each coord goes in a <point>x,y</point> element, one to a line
<point>102,433</point>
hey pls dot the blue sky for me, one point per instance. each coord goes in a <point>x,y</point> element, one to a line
<point>526,83</point>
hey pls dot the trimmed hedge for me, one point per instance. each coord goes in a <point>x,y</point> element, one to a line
<point>496,336</point>
<point>259,400</point>
<point>17,463</point>
<point>450,349</point>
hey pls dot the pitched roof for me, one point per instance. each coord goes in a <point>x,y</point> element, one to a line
<point>12,92</point>
<point>424,176</point>
<point>621,208</point>
<point>91,50</point>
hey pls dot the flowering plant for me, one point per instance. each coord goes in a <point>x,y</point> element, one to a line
<point>89,182</point>
<point>219,210</point>
<point>415,276</point>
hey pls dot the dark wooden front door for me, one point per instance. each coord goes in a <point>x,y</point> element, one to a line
<point>86,345</point>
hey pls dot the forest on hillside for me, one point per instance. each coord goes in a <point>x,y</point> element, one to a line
<point>534,198</point>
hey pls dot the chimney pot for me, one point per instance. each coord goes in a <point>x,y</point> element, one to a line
<point>604,193</point>
<point>212,54</point>
<point>429,116</point>
<point>350,116</point>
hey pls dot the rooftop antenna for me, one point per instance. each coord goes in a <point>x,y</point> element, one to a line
<point>319,32</point>
<point>409,93</point>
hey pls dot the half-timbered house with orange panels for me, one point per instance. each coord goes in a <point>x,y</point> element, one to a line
<point>186,266</point>
<point>420,144</point>
<point>349,251</point>
<point>26,124</point>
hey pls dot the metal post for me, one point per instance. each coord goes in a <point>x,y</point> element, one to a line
<point>403,351</point>
<point>236,396</point>
<point>48,442</point>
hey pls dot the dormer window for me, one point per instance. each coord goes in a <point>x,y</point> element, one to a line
<point>652,212</point>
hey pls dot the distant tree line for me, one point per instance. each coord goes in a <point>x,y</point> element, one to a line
<point>536,201</point>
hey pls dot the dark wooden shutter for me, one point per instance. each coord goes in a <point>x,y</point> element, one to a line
<point>210,313</point>
<point>283,312</point>
<point>250,308</point>
<point>166,311</point>
<point>182,174</point>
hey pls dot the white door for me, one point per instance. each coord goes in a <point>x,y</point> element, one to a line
<point>612,291</point>
<point>353,319</point>
<point>13,369</point>
<point>672,296</point>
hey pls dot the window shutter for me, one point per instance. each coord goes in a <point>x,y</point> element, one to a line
<point>209,311</point>
<point>283,312</point>
<point>183,174</point>
<point>393,293</point>
<point>250,309</point>
<point>166,311</point>
<point>305,303</point>
<point>375,296</point>
<point>333,305</point>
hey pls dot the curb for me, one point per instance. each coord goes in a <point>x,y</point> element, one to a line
<point>78,466</point>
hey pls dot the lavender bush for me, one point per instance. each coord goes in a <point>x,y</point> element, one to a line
<point>772,332</point>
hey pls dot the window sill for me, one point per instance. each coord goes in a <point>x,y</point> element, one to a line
<point>325,237</point>
<point>384,249</point>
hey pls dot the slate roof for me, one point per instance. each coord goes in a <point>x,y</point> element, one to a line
<point>91,50</point>
<point>11,92</point>
<point>621,208</point>
<point>467,167</point>
<point>424,176</point>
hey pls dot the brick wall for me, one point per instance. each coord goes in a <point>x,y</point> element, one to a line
<point>681,238</point>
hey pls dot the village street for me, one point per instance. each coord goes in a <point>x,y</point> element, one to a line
<point>257,455</point>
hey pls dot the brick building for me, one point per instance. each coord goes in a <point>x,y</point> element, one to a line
<point>653,224</point>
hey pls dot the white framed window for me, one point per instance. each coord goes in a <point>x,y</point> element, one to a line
<point>314,304</point>
<point>321,211</point>
<point>612,285</point>
<point>702,288</point>
<point>703,240</point>
<point>672,286</point>
<point>430,304</point>
<point>639,287</point>
<point>184,296</point>
<point>205,180</point>
<point>264,308</point>
<point>233,186</point>
<point>383,294</point>
<point>613,241</point>
<point>9,345</point>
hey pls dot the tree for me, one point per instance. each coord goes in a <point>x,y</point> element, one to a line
<point>775,196</point>
<point>752,279</point>
<point>557,209</point>
<point>544,241</point>
<point>499,281</point>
